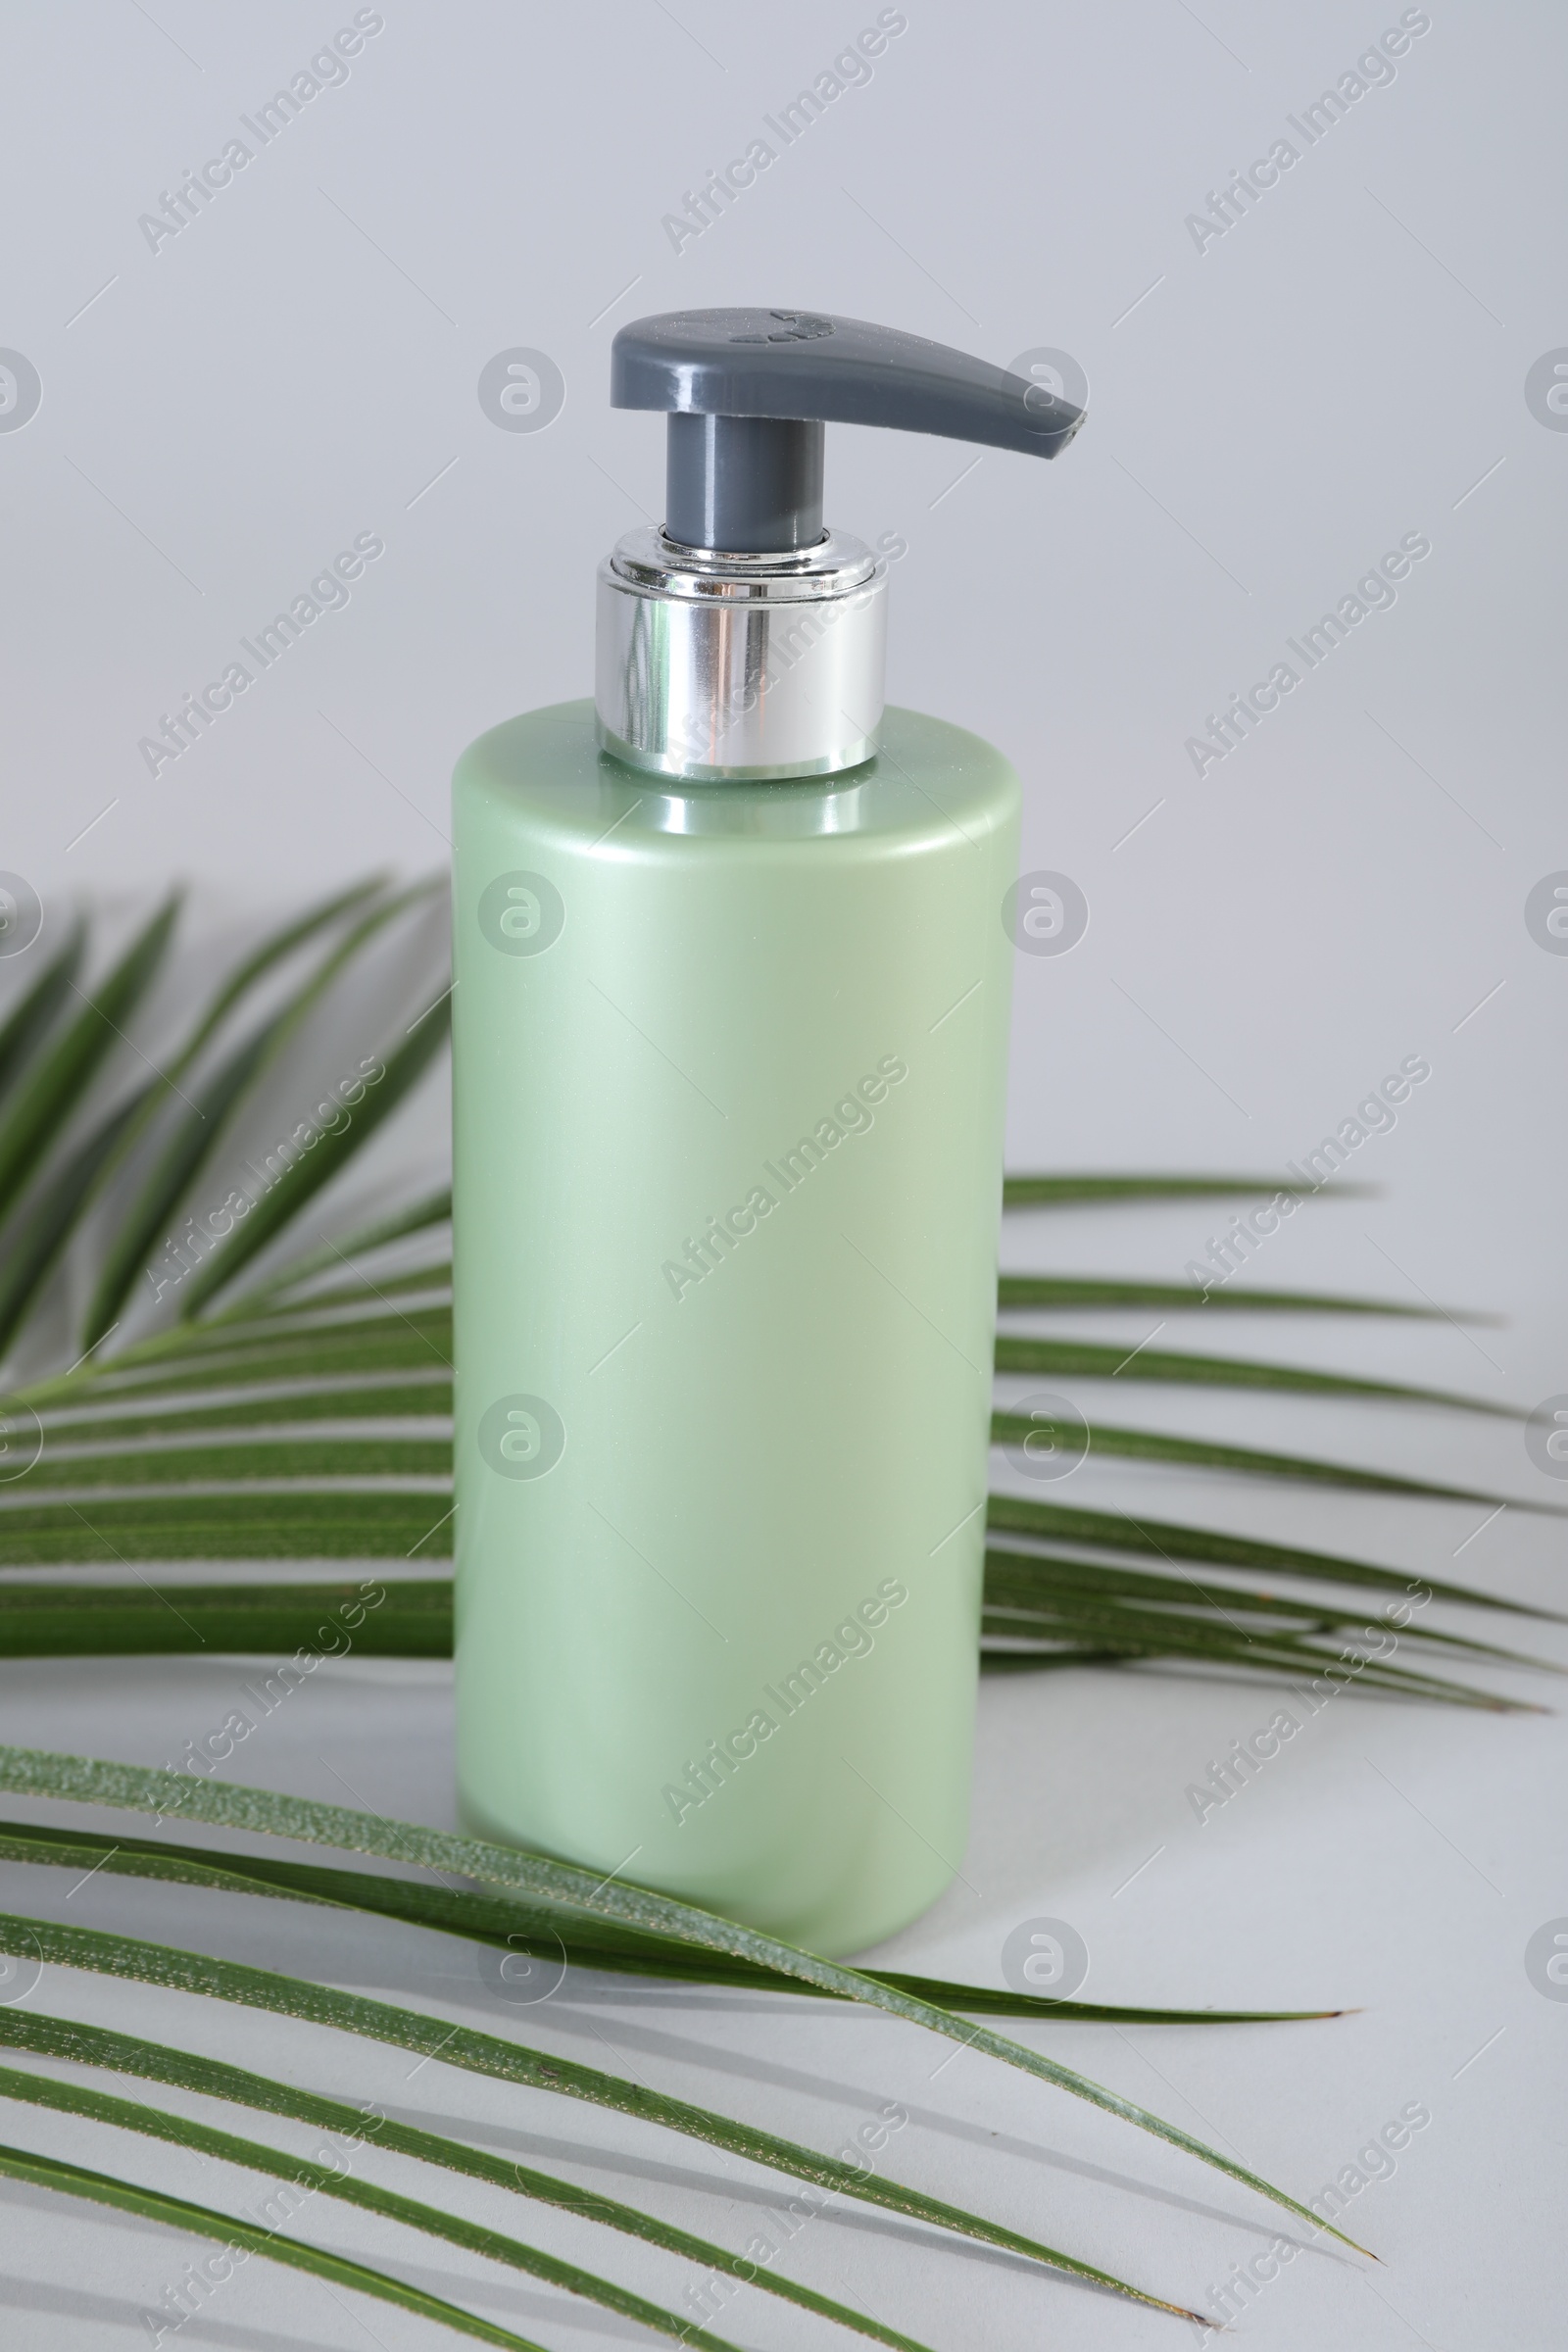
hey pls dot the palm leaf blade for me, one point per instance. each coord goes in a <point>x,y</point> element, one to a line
<point>434,1208</point>
<point>1117,1531</point>
<point>1091,1359</point>
<point>395,1397</point>
<point>202,2221</point>
<point>46,1227</point>
<point>295,1523</point>
<point>1038,1290</point>
<point>321,2180</point>
<point>151,2061</point>
<point>172,1466</point>
<point>54,1081</point>
<point>537,1930</point>
<point>420,2034</point>
<point>198,1129</point>
<point>1051,1190</point>
<point>296,932</point>
<point>1202,1454</point>
<point>34,1013</point>
<point>230,1805</point>
<point>332,1152</point>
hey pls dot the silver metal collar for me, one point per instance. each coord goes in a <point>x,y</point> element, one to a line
<point>712,665</point>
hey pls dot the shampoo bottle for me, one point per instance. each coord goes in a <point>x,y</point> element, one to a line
<point>731,1026</point>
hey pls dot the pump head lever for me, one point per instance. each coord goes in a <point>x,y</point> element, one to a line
<point>748,392</point>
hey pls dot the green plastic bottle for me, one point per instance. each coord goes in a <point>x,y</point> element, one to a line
<point>731,1025</point>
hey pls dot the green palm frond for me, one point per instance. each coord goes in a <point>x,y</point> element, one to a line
<point>545,1933</point>
<point>1016,1291</point>
<point>314,2179</point>
<point>405,1066</point>
<point>197,1127</point>
<point>1093,1359</point>
<point>1202,1453</point>
<point>1118,1531</point>
<point>126,2054</point>
<point>202,2221</point>
<point>422,2035</point>
<point>1064,1190</point>
<point>231,1805</point>
<point>37,1006</point>
<point>434,1209</point>
<point>48,1082</point>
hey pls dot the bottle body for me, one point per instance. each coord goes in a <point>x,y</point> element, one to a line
<point>730,1080</point>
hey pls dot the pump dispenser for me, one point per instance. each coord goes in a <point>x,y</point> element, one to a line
<point>731,1022</point>
<point>707,665</point>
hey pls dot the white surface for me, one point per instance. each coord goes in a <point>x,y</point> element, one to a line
<point>1280,409</point>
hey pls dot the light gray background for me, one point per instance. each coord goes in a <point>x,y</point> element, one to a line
<point>1345,366</point>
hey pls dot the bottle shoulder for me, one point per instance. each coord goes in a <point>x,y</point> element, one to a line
<point>545,770</point>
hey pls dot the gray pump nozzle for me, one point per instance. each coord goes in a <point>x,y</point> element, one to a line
<point>747,393</point>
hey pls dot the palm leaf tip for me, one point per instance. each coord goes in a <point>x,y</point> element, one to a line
<point>1042,1291</point>
<point>1064,1188</point>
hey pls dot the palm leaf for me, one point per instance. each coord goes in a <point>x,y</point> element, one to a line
<point>199,1123</point>
<point>141,1620</point>
<point>1092,1359</point>
<point>200,2221</point>
<point>1016,1291</point>
<point>322,2180</point>
<point>1113,1631</point>
<point>513,1926</point>
<point>1036,1578</point>
<point>178,1466</point>
<point>428,1395</point>
<point>197,1354</point>
<point>1064,1190</point>
<point>129,2055</point>
<point>126,2054</point>
<point>1118,1531</point>
<point>422,2035</point>
<point>90,1415</point>
<point>44,1229</point>
<point>230,1805</point>
<point>1082,1609</point>
<point>35,1012</point>
<point>297,1523</point>
<point>335,1148</point>
<point>1202,1454</point>
<point>52,1084</point>
<point>434,1209</point>
<point>37,1243</point>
